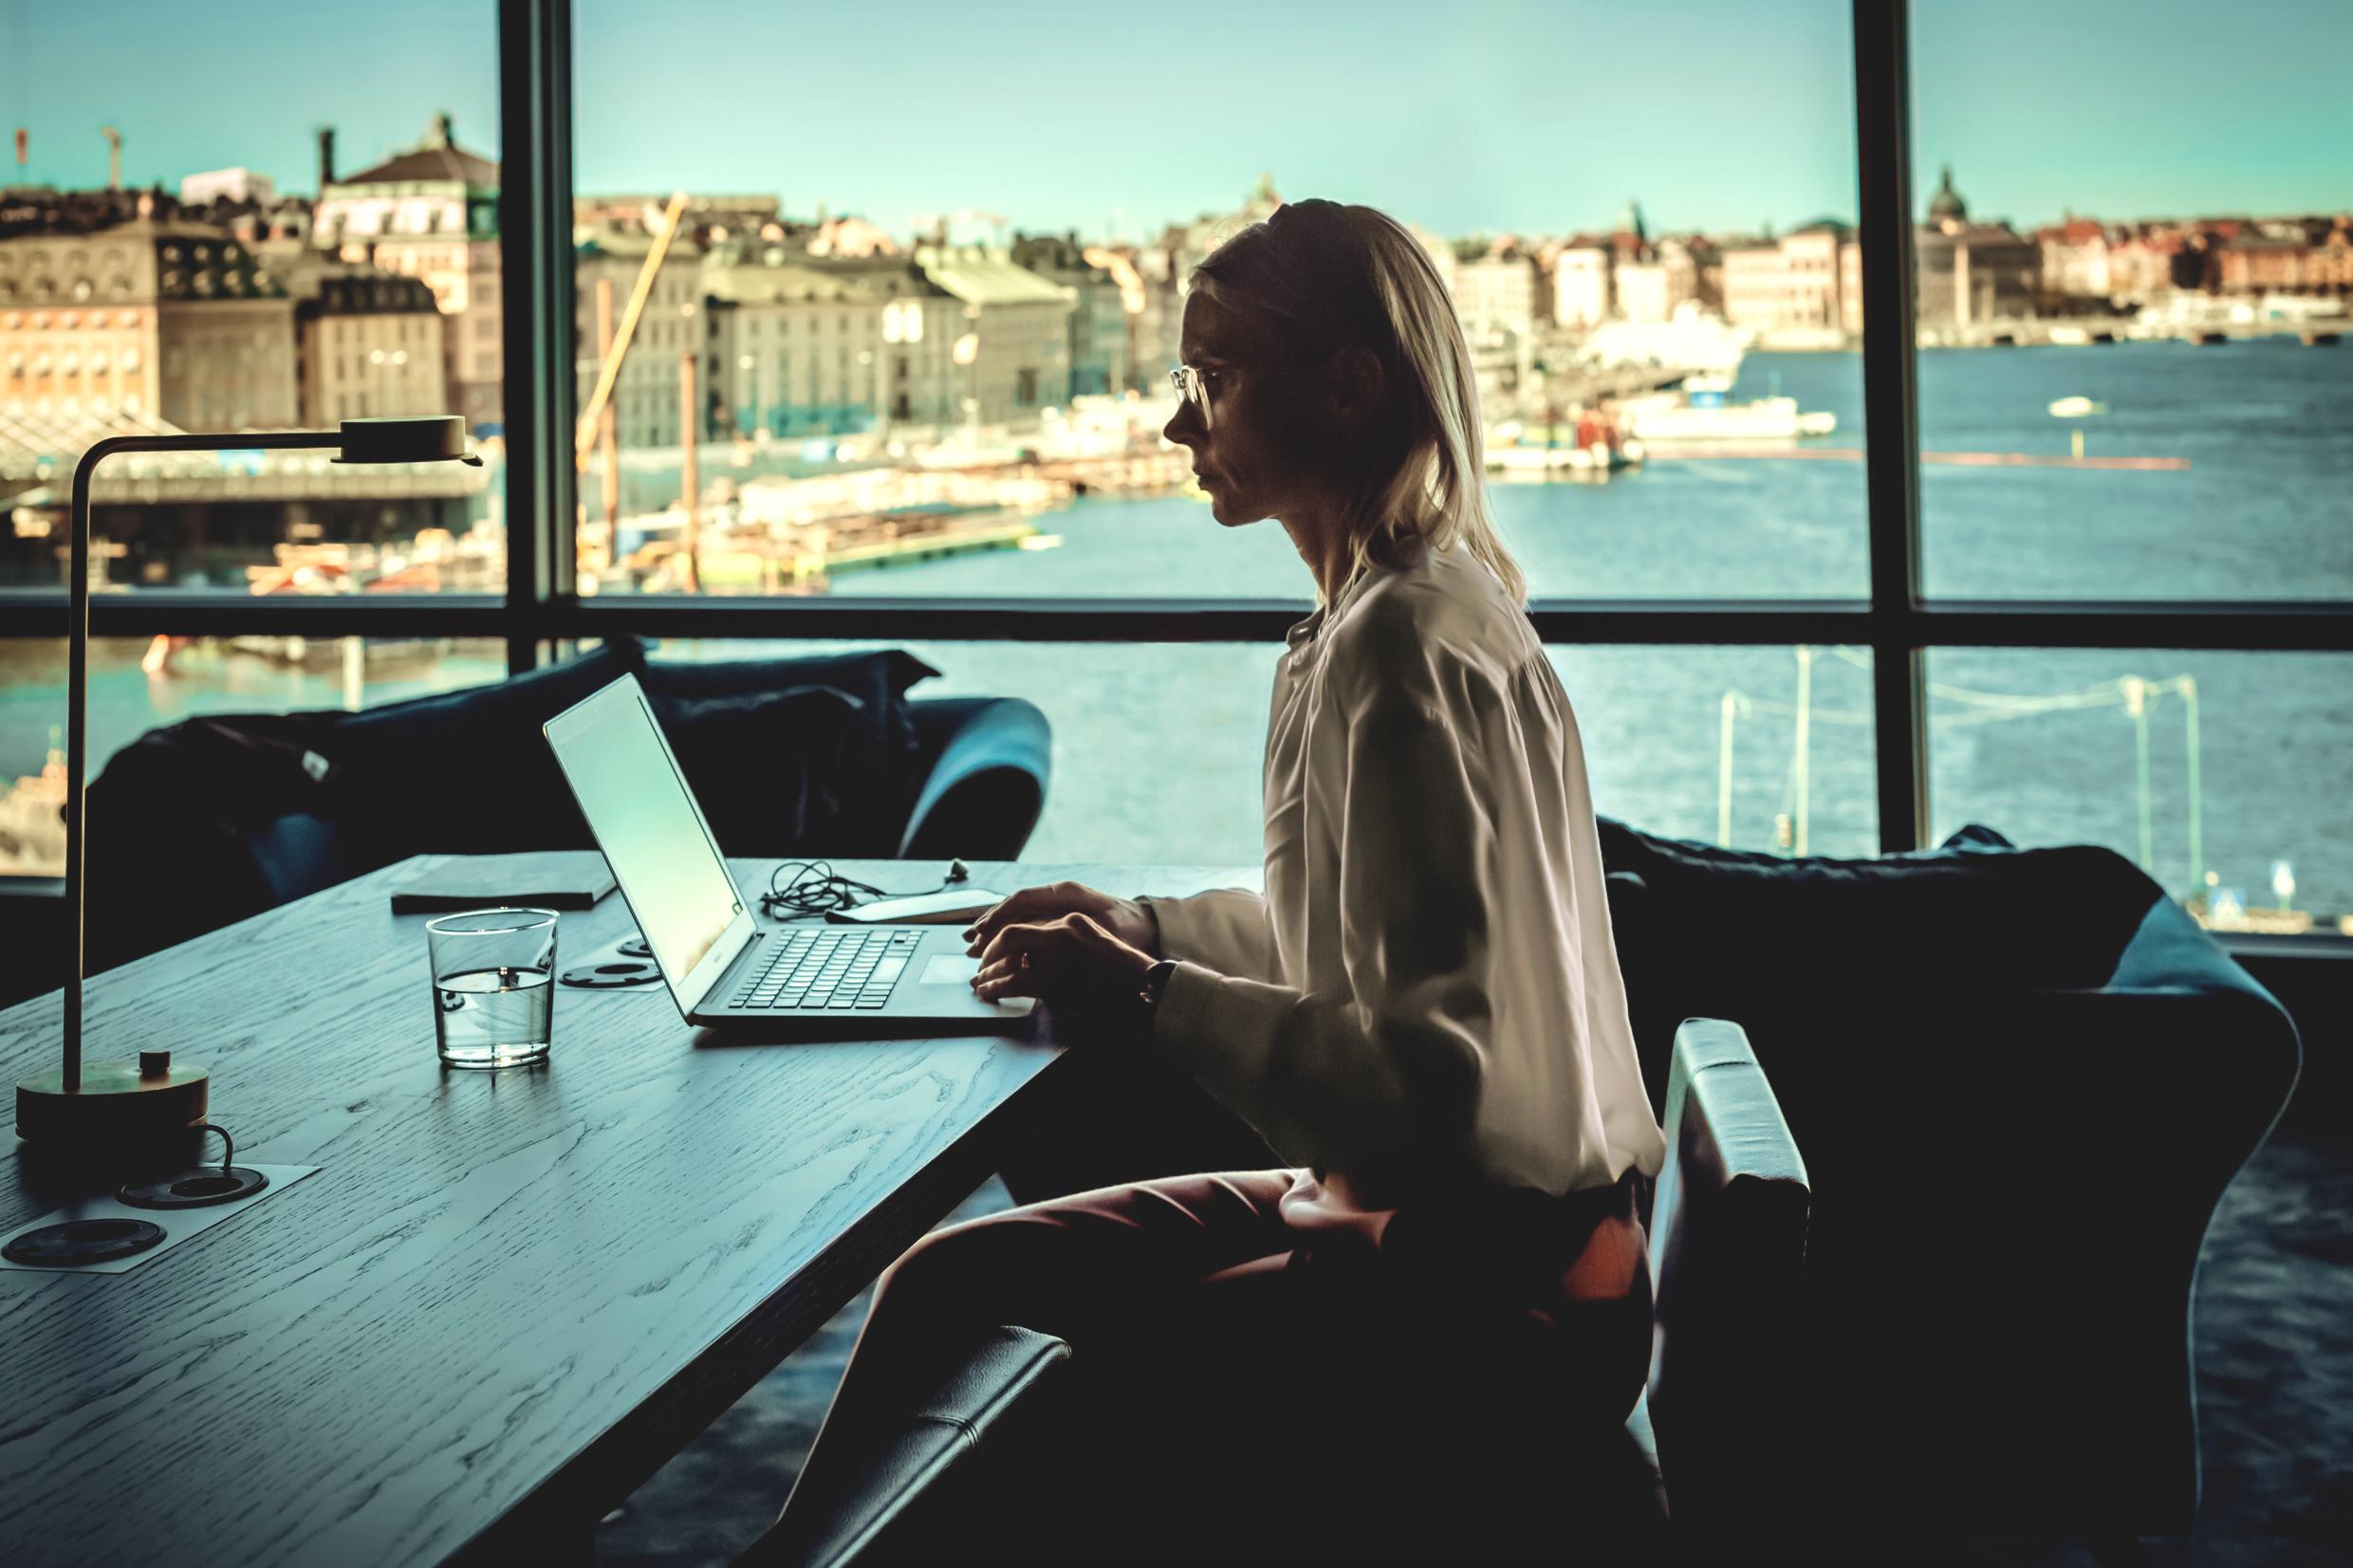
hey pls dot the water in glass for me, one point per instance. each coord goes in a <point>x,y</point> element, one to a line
<point>494,1018</point>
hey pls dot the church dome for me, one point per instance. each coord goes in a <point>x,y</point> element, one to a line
<point>1946,205</point>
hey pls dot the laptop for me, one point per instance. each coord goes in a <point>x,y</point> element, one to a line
<point>806,980</point>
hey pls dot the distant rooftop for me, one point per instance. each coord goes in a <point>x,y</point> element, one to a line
<point>438,160</point>
<point>985,277</point>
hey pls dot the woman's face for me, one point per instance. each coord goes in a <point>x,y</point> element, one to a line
<point>1268,447</point>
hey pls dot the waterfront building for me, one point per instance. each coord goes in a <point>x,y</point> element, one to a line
<point>1652,287</point>
<point>1014,345</point>
<point>646,398</point>
<point>2075,261</point>
<point>1098,322</point>
<point>431,212</point>
<point>1582,284</point>
<point>1502,293</point>
<point>45,209</point>
<point>2149,262</point>
<point>1642,291</point>
<point>368,344</point>
<point>1804,289</point>
<point>1155,321</point>
<point>1970,273</point>
<point>824,345</point>
<point>2286,255</point>
<point>2328,265</point>
<point>2258,264</point>
<point>174,319</point>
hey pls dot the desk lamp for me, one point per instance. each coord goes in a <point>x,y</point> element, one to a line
<point>110,1115</point>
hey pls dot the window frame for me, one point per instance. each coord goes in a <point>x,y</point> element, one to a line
<point>541,607</point>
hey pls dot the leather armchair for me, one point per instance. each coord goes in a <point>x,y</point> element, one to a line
<point>2023,1080</point>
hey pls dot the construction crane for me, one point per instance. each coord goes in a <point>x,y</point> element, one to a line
<point>585,434</point>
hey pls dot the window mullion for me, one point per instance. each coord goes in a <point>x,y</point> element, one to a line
<point>535,261</point>
<point>1891,416</point>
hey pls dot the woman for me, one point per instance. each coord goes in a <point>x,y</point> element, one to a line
<point>1424,1011</point>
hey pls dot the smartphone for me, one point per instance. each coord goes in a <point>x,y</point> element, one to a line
<point>927,908</point>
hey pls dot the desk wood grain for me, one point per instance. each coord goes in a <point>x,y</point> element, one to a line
<point>505,1299</point>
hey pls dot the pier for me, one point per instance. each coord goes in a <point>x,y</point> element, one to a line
<point>2035,332</point>
<point>1959,459</point>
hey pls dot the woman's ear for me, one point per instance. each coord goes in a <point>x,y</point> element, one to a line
<point>1358,384</point>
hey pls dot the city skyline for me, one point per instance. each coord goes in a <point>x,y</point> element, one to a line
<point>1567,157</point>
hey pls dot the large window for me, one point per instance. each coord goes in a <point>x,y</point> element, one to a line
<point>794,362</point>
<point>920,361</point>
<point>2132,386</point>
<point>1162,744</point>
<point>2132,378</point>
<point>211,266</point>
<point>222,262</point>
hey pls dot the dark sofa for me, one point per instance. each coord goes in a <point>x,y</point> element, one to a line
<point>213,818</point>
<point>2023,1080</point>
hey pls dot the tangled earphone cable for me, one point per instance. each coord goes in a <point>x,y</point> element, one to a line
<point>816,888</point>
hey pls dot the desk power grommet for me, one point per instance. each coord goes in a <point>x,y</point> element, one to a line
<point>83,1242</point>
<point>201,1187</point>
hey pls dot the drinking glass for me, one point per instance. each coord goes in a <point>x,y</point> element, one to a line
<point>493,985</point>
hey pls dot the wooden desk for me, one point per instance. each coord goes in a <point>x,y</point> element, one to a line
<point>505,1298</point>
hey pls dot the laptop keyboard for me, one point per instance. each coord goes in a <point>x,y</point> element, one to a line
<point>835,968</point>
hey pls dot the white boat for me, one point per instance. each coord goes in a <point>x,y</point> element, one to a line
<point>1600,457</point>
<point>1511,454</point>
<point>1690,340</point>
<point>1702,414</point>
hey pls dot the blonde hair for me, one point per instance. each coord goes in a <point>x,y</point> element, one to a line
<point>1331,277</point>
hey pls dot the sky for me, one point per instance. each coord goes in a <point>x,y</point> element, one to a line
<point>1490,116</point>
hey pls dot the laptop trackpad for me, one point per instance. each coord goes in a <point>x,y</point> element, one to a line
<point>949,968</point>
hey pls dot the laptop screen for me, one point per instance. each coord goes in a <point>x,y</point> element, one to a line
<point>637,804</point>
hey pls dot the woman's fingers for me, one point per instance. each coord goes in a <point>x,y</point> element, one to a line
<point>1021,970</point>
<point>1029,904</point>
<point>993,976</point>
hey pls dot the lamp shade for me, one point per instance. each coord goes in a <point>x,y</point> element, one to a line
<point>426,438</point>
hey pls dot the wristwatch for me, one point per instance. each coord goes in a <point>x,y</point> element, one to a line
<point>1155,981</point>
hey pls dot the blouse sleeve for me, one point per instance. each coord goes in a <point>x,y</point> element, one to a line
<point>1225,929</point>
<point>1382,1083</point>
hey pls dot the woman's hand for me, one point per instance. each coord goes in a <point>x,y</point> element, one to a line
<point>1071,961</point>
<point>1125,918</point>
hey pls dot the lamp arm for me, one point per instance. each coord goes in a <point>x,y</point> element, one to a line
<point>78,676</point>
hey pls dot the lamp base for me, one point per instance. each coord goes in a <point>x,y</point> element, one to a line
<point>118,1117</point>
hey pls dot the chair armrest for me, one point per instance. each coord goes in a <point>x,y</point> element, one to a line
<point>1729,1221</point>
<point>948,1424</point>
<point>984,763</point>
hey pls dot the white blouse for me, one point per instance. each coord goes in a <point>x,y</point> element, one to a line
<point>1428,993</point>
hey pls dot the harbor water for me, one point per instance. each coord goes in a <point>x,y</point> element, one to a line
<point>2189,761</point>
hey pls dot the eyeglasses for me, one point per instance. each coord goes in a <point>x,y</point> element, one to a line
<point>1190,389</point>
